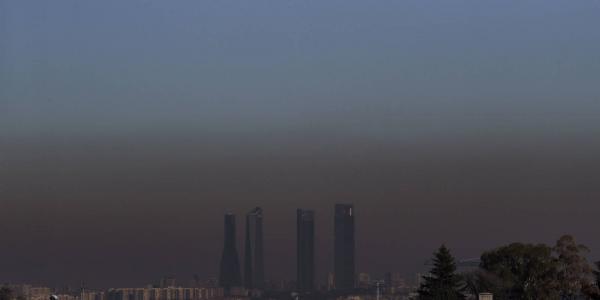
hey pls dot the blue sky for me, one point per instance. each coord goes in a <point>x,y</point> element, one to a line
<point>112,66</point>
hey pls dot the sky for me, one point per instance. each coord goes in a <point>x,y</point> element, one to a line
<point>128,128</point>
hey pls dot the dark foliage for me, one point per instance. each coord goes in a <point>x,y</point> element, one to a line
<point>527,271</point>
<point>442,283</point>
<point>482,281</point>
<point>5,293</point>
<point>594,293</point>
<point>574,272</point>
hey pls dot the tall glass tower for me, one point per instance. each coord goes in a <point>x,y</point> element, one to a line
<point>344,247</point>
<point>305,250</point>
<point>254,272</point>
<point>230,275</point>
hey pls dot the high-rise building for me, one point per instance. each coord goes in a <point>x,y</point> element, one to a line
<point>254,272</point>
<point>344,247</point>
<point>230,275</point>
<point>305,250</point>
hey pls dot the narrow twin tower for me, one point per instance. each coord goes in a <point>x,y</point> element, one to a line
<point>254,273</point>
<point>344,269</point>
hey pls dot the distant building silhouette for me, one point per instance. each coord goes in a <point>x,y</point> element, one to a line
<point>364,280</point>
<point>254,272</point>
<point>230,275</point>
<point>393,281</point>
<point>167,281</point>
<point>305,250</point>
<point>330,281</point>
<point>344,247</point>
<point>150,293</point>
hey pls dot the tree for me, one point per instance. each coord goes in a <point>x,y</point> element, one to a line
<point>481,281</point>
<point>574,272</point>
<point>594,293</point>
<point>527,271</point>
<point>5,293</point>
<point>442,283</point>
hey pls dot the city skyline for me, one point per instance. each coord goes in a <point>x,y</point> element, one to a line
<point>128,128</point>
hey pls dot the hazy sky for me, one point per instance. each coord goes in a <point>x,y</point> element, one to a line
<point>127,129</point>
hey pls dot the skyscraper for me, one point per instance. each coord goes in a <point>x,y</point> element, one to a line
<point>305,250</point>
<point>230,275</point>
<point>254,272</point>
<point>344,247</point>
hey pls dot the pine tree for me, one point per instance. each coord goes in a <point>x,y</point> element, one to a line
<point>442,283</point>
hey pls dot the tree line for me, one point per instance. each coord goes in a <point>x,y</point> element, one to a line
<point>518,271</point>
